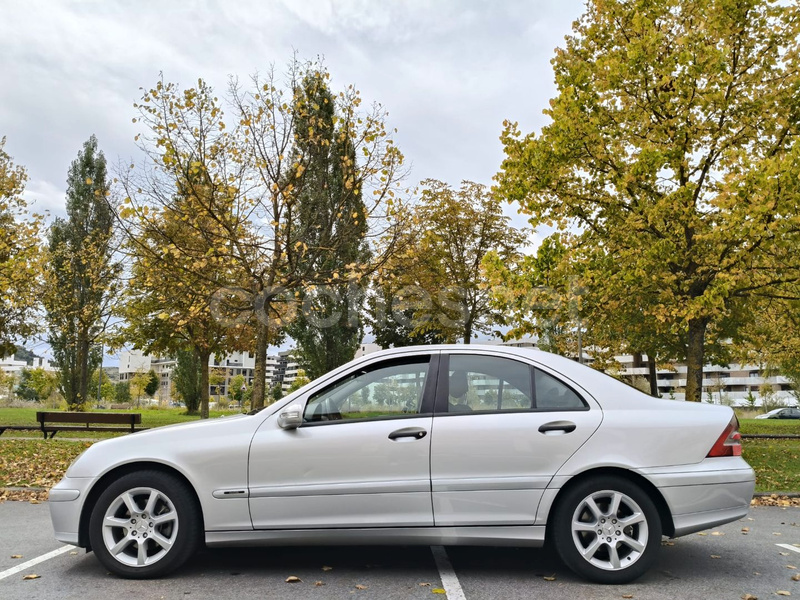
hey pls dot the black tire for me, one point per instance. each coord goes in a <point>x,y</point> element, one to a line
<point>628,546</point>
<point>153,546</point>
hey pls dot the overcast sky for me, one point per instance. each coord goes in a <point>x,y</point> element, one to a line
<point>448,71</point>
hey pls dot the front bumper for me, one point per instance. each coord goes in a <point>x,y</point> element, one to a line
<point>66,502</point>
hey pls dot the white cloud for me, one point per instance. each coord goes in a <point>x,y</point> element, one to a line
<point>448,71</point>
<point>43,196</point>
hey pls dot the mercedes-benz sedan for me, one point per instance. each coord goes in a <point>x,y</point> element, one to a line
<point>478,445</point>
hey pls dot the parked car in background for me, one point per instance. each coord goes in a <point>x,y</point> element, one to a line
<point>477,445</point>
<point>781,413</point>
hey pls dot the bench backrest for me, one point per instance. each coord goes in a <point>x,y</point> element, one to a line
<point>88,417</point>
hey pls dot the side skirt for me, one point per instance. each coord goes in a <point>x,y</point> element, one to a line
<point>532,535</point>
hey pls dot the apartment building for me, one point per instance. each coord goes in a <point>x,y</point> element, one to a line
<point>10,365</point>
<point>281,370</point>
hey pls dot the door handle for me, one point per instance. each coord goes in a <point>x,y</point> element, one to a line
<point>412,432</point>
<point>565,426</point>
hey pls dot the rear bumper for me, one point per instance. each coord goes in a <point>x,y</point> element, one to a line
<point>698,521</point>
<point>709,494</point>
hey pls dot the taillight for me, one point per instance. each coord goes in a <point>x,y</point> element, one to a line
<point>729,443</point>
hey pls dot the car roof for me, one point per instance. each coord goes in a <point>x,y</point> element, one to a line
<point>605,389</point>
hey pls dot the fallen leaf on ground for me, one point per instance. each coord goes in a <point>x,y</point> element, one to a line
<point>783,553</point>
<point>790,567</point>
<point>16,556</point>
<point>424,584</point>
<point>360,586</point>
<point>293,579</point>
<point>783,593</point>
<point>775,500</point>
<point>796,577</point>
<point>745,529</point>
<point>438,591</point>
<point>551,578</point>
<point>627,595</point>
<point>73,553</point>
<point>703,533</point>
<point>717,533</point>
<point>749,597</point>
<point>31,576</point>
<point>775,533</point>
<point>715,556</point>
<point>318,583</point>
<point>327,568</point>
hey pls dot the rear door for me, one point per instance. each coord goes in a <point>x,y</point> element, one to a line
<point>502,429</point>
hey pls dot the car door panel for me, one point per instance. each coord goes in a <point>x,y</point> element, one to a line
<point>347,472</point>
<point>341,475</point>
<point>492,467</point>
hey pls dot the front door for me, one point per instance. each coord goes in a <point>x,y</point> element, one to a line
<point>361,458</point>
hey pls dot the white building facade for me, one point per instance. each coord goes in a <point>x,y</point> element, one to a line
<point>281,370</point>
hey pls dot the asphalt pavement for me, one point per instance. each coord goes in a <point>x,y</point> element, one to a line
<point>752,556</point>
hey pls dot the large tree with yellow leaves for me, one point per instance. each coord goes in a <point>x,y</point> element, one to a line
<point>671,162</point>
<point>241,247</point>
<point>20,264</point>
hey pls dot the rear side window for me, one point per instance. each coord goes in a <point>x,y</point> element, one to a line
<point>552,394</point>
<point>487,383</point>
<point>479,383</point>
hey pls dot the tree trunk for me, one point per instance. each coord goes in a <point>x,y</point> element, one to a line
<point>204,357</point>
<point>652,375</point>
<point>81,385</point>
<point>260,371</point>
<point>694,359</point>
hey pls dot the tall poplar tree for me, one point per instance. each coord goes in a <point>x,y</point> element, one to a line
<point>82,275</point>
<point>328,328</point>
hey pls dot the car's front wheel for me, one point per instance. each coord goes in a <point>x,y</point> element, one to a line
<point>607,529</point>
<point>146,524</point>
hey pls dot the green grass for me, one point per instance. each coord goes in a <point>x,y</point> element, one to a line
<point>778,426</point>
<point>776,463</point>
<point>150,418</point>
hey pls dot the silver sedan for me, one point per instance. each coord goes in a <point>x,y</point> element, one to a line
<point>478,445</point>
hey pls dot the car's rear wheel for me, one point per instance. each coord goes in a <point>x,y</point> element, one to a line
<point>146,524</point>
<point>607,529</point>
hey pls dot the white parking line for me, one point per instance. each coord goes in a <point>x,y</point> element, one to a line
<point>449,580</point>
<point>788,547</point>
<point>35,561</point>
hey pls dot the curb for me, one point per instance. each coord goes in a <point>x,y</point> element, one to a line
<point>770,436</point>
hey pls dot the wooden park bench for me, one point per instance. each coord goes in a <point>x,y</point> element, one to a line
<point>53,422</point>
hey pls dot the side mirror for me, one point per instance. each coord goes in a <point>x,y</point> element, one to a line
<point>291,417</point>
